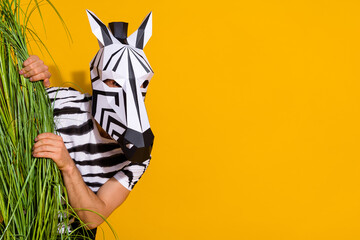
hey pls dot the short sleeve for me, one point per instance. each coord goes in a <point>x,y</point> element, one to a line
<point>129,175</point>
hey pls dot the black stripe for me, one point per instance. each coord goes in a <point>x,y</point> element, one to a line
<point>85,99</point>
<point>93,184</point>
<point>114,134</point>
<point>130,176</point>
<point>125,106</point>
<point>146,69</point>
<point>104,162</point>
<point>95,78</point>
<point>107,64</point>
<point>95,98</point>
<point>77,130</point>
<point>116,122</point>
<point>111,94</point>
<point>143,59</point>
<point>137,164</point>
<point>51,90</point>
<point>134,164</point>
<point>68,110</point>
<point>133,86</point>
<point>97,68</point>
<point>103,111</point>
<point>57,89</point>
<point>104,31</point>
<point>61,98</point>
<point>117,62</point>
<point>93,62</point>
<point>101,175</point>
<point>141,33</point>
<point>94,148</point>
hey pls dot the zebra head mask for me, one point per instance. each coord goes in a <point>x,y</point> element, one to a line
<point>120,110</point>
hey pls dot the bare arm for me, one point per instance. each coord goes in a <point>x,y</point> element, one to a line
<point>111,195</point>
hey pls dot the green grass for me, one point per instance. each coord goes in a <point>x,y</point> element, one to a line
<point>32,194</point>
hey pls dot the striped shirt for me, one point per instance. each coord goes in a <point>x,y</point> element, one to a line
<point>97,158</point>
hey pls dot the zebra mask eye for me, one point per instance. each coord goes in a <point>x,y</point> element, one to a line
<point>119,108</point>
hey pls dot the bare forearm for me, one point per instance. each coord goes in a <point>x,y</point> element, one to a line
<point>109,196</point>
<point>81,197</point>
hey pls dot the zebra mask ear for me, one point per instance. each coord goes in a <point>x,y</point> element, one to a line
<point>102,33</point>
<point>141,36</point>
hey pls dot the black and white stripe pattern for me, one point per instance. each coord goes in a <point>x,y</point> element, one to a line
<point>121,111</point>
<point>98,159</point>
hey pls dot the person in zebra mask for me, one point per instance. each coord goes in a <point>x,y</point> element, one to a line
<point>104,141</point>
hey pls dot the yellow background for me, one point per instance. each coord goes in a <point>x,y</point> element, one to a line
<point>256,111</point>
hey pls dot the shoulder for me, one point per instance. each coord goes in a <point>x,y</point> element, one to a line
<point>61,97</point>
<point>130,174</point>
<point>61,92</point>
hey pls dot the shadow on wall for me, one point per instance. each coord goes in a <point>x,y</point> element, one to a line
<point>56,79</point>
<point>78,80</point>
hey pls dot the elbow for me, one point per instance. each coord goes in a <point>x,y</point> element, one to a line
<point>90,220</point>
<point>90,226</point>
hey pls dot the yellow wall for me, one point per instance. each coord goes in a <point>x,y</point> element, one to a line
<point>256,109</point>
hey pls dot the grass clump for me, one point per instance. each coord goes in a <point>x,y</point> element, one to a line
<point>33,203</point>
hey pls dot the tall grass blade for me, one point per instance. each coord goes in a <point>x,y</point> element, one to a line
<point>33,202</point>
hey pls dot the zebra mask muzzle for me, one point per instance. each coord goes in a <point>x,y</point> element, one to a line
<point>120,108</point>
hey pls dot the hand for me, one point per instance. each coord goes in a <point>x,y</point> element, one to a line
<point>50,145</point>
<point>36,70</point>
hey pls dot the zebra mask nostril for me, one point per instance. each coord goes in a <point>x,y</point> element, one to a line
<point>138,145</point>
<point>145,84</point>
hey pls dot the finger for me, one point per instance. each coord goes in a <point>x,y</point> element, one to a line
<point>48,135</point>
<point>30,60</point>
<point>45,148</point>
<point>34,69</point>
<point>40,76</point>
<point>47,141</point>
<point>45,154</point>
<point>31,66</point>
<point>48,144</point>
<point>47,151</point>
<point>46,82</point>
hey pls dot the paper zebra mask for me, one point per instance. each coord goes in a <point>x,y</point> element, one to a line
<point>120,110</point>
